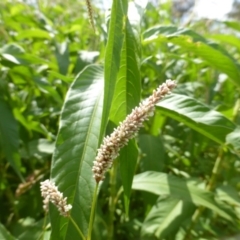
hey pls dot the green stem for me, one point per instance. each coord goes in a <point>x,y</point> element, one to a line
<point>195,217</point>
<point>113,174</point>
<point>77,228</point>
<point>235,110</point>
<point>41,236</point>
<point>209,187</point>
<point>216,170</point>
<point>92,215</point>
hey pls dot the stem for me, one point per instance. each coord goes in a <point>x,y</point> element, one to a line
<point>209,187</point>
<point>195,217</point>
<point>92,215</point>
<point>113,174</point>
<point>77,228</point>
<point>41,236</point>
<point>235,110</point>
<point>216,170</point>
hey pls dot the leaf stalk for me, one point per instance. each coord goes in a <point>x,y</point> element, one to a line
<point>92,215</point>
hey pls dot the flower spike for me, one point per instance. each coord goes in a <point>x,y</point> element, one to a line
<point>51,194</point>
<point>128,129</point>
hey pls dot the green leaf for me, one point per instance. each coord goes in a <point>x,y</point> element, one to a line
<point>157,123</point>
<point>163,184</point>
<point>166,217</point>
<point>14,54</point>
<point>12,49</point>
<point>12,59</point>
<point>33,59</point>
<point>29,228</point>
<point>34,33</point>
<point>112,58</point>
<point>227,38</point>
<point>40,148</point>
<point>10,54</point>
<point>85,58</point>
<point>75,151</point>
<point>233,24</point>
<point>128,86</point>
<point>47,88</point>
<point>152,152</point>
<point>229,195</point>
<point>4,234</point>
<point>57,75</point>
<point>127,95</point>
<point>189,40</point>
<point>62,56</point>
<point>9,137</point>
<point>17,9</point>
<point>197,116</point>
<point>128,161</point>
<point>233,139</point>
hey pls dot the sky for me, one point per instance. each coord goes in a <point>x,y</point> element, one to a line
<point>212,9</point>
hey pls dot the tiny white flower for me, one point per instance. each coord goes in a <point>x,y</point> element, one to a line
<point>127,130</point>
<point>51,194</point>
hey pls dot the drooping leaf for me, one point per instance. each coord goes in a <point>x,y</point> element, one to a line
<point>163,184</point>
<point>189,40</point>
<point>12,49</point>
<point>233,24</point>
<point>11,54</point>
<point>230,39</point>
<point>166,217</point>
<point>75,150</point>
<point>197,116</point>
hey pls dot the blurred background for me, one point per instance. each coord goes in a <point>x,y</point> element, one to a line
<point>45,44</point>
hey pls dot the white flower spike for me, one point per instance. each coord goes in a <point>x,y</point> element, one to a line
<point>127,129</point>
<point>51,194</point>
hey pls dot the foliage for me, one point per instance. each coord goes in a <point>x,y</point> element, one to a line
<point>64,86</point>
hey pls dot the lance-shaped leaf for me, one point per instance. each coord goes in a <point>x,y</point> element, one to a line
<point>75,151</point>
<point>4,234</point>
<point>233,139</point>
<point>233,24</point>
<point>112,57</point>
<point>62,56</point>
<point>163,184</point>
<point>166,217</point>
<point>33,33</point>
<point>127,95</point>
<point>230,39</point>
<point>197,116</point>
<point>189,40</point>
<point>9,138</point>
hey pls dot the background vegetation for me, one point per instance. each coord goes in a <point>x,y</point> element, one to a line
<point>185,162</point>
